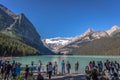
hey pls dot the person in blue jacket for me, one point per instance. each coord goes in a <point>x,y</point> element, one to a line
<point>18,69</point>
<point>63,67</point>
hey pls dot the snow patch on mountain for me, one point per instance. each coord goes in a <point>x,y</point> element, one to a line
<point>114,28</point>
<point>100,34</point>
<point>61,41</point>
<point>55,43</point>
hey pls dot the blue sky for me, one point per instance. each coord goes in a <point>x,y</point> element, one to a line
<point>67,18</point>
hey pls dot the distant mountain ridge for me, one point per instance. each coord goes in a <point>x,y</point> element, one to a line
<point>20,28</point>
<point>78,42</point>
<point>84,43</point>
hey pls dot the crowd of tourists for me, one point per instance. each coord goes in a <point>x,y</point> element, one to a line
<point>108,70</point>
<point>12,70</point>
<point>53,68</point>
<point>7,70</point>
<point>94,70</point>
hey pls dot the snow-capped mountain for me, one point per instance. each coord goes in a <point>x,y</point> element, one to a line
<point>90,35</point>
<point>56,44</point>
<point>113,29</point>
<point>89,31</point>
<point>97,34</point>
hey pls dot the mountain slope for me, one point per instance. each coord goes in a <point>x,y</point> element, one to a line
<point>103,46</point>
<point>12,47</point>
<point>21,29</point>
<point>94,43</point>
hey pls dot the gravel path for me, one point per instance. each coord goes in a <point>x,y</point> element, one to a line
<point>66,77</point>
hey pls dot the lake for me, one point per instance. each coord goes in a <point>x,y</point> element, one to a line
<point>83,60</point>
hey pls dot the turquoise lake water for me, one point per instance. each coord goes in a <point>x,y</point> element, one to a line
<point>83,60</point>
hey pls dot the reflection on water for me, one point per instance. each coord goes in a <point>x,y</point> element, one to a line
<point>83,60</point>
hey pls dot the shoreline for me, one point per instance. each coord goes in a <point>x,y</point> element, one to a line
<point>7,58</point>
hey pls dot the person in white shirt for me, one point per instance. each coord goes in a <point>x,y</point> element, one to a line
<point>55,68</point>
<point>39,67</point>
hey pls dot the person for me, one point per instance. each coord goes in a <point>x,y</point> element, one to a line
<point>63,66</point>
<point>13,62</point>
<point>88,73</point>
<point>14,70</point>
<point>116,77</point>
<point>32,67</point>
<point>26,72</point>
<point>50,70</point>
<point>2,69</point>
<point>68,67</point>
<point>40,77</point>
<point>47,69</point>
<point>76,66</point>
<point>8,69</point>
<point>117,66</point>
<point>103,76</point>
<point>39,66</point>
<point>107,65</point>
<point>112,67</point>
<point>55,68</point>
<point>95,73</point>
<point>0,65</point>
<point>18,69</point>
<point>101,66</point>
<point>91,65</point>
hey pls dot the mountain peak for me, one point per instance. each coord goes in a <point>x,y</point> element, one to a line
<point>22,14</point>
<point>113,29</point>
<point>89,30</point>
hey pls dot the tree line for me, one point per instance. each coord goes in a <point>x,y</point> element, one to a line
<point>12,47</point>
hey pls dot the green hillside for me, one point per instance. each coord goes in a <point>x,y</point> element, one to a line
<point>12,47</point>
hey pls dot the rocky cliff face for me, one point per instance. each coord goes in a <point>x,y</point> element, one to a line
<point>20,28</point>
